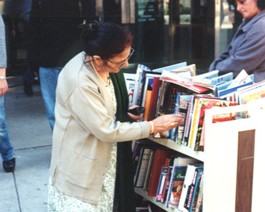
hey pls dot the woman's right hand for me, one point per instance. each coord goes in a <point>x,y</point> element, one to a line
<point>164,123</point>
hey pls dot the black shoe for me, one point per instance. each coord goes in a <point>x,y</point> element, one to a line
<point>9,165</point>
<point>28,89</point>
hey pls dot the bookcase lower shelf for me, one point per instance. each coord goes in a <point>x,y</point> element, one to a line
<point>143,194</point>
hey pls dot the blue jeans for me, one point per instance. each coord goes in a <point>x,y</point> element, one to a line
<point>6,149</point>
<point>48,83</point>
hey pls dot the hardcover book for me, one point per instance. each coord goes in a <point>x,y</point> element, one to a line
<point>154,98</point>
<point>188,204</point>
<point>142,167</point>
<point>178,162</point>
<point>201,105</point>
<point>184,102</point>
<point>149,166</point>
<point>162,183</point>
<point>176,184</point>
<point>187,182</point>
<point>160,157</point>
<point>197,188</point>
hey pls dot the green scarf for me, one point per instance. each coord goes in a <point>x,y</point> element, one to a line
<point>124,188</point>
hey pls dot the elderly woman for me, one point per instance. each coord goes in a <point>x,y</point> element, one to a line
<point>86,132</point>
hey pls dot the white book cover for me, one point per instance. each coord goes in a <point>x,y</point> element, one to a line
<point>187,181</point>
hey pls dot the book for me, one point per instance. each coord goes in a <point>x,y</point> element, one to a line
<point>179,161</point>
<point>137,147</point>
<point>227,91</point>
<point>221,79</point>
<point>149,166</point>
<point>148,84</point>
<point>198,204</point>
<point>161,184</point>
<point>194,122</point>
<point>173,133</point>
<point>183,78</point>
<point>154,98</point>
<point>177,179</point>
<point>188,204</point>
<point>160,157</point>
<point>188,122</point>
<point>184,102</point>
<point>197,187</point>
<point>147,93</point>
<point>205,79</point>
<point>252,93</point>
<point>145,83</point>
<point>170,67</point>
<point>229,87</point>
<point>130,85</point>
<point>164,190</point>
<point>187,182</point>
<point>139,83</point>
<point>199,146</point>
<point>203,104</point>
<point>142,167</point>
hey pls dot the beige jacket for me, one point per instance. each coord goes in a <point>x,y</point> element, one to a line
<point>84,131</point>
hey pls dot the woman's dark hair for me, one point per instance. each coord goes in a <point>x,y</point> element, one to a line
<point>261,4</point>
<point>105,39</point>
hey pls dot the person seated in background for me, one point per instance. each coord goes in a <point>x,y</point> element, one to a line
<point>247,48</point>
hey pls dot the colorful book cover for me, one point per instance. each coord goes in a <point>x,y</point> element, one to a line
<point>189,178</point>
<point>194,122</point>
<point>162,183</point>
<point>196,190</point>
<point>206,104</point>
<point>184,102</point>
<point>198,203</point>
<point>154,98</point>
<point>188,122</point>
<point>139,83</point>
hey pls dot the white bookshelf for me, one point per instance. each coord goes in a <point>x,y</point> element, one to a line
<point>198,155</point>
<point>178,148</point>
<point>220,162</point>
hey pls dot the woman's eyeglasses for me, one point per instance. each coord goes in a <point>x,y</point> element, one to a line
<point>121,64</point>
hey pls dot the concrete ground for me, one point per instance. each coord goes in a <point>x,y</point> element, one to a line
<point>25,190</point>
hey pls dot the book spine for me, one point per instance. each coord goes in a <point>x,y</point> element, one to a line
<point>194,123</point>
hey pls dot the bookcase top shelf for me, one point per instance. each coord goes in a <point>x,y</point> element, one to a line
<point>179,148</point>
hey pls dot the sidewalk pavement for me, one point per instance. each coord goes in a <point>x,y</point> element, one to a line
<point>25,190</point>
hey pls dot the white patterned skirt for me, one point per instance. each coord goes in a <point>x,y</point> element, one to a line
<point>59,202</point>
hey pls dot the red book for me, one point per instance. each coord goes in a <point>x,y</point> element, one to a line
<point>159,161</point>
<point>154,97</point>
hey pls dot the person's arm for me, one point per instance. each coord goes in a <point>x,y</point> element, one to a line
<point>222,57</point>
<point>3,82</point>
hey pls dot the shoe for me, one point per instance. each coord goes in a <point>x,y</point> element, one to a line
<point>9,165</point>
<point>28,89</point>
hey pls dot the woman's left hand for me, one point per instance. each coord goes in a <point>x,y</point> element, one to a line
<point>135,117</point>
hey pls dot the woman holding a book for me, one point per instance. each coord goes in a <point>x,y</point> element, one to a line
<point>247,48</point>
<point>88,125</point>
